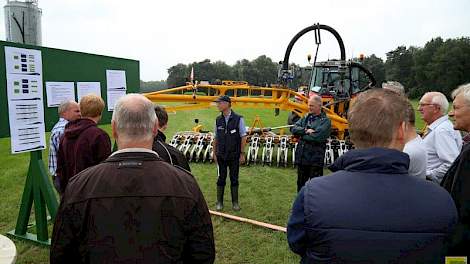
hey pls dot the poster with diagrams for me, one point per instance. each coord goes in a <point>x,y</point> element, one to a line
<point>58,92</point>
<point>86,88</point>
<point>25,99</point>
<point>116,86</point>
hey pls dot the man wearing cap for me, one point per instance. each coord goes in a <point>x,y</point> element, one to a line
<point>229,149</point>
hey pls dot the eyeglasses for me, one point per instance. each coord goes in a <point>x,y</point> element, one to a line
<point>423,104</point>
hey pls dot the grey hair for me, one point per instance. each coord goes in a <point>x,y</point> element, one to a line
<point>64,106</point>
<point>440,99</point>
<point>465,89</point>
<point>394,87</point>
<point>316,98</point>
<point>134,117</point>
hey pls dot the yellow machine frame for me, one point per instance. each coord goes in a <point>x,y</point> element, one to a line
<point>202,96</point>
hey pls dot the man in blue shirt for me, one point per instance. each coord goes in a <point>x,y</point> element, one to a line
<point>68,111</point>
<point>229,149</point>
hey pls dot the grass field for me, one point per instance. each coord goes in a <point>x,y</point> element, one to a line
<point>266,194</point>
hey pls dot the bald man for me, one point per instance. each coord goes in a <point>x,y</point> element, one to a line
<point>134,207</point>
<point>313,131</point>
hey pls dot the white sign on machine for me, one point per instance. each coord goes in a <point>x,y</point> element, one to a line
<point>25,99</point>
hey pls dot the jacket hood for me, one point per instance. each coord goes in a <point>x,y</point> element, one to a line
<point>75,128</point>
<point>373,160</point>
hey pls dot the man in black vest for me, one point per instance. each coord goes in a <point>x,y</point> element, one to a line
<point>229,145</point>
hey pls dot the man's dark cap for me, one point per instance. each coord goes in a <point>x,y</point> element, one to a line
<point>223,98</point>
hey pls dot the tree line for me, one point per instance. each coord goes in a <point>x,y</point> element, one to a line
<point>441,65</point>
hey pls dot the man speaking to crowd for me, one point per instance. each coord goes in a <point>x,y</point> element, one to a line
<point>313,130</point>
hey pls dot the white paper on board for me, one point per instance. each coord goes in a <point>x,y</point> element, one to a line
<point>23,61</point>
<point>25,99</point>
<point>26,112</point>
<point>58,92</point>
<point>116,80</point>
<point>28,138</point>
<point>116,86</point>
<point>113,96</point>
<point>86,88</point>
<point>21,86</point>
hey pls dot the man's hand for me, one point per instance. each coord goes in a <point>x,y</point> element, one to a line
<point>242,158</point>
<point>309,131</point>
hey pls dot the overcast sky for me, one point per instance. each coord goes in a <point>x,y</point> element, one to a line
<point>161,34</point>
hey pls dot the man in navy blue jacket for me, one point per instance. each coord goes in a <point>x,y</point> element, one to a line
<point>370,210</point>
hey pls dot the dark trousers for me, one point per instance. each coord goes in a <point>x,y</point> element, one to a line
<point>223,165</point>
<point>56,182</point>
<point>305,173</point>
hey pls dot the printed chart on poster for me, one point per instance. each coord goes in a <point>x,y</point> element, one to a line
<point>116,86</point>
<point>58,92</point>
<point>25,99</point>
<point>86,88</point>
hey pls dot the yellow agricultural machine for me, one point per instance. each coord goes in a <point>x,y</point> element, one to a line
<point>337,81</point>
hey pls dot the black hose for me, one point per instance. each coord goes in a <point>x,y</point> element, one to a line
<point>285,62</point>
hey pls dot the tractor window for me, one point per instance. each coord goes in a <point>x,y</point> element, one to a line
<point>330,81</point>
<point>316,80</point>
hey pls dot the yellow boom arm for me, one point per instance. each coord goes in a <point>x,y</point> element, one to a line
<point>201,96</point>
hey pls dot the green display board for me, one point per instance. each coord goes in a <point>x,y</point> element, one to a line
<point>68,66</point>
<point>57,66</point>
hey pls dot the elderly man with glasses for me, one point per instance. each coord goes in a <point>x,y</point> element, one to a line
<point>442,142</point>
<point>457,179</point>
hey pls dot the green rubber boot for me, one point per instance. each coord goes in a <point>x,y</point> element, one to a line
<point>235,205</point>
<point>220,198</point>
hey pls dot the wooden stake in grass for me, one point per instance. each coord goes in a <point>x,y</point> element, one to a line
<point>246,220</point>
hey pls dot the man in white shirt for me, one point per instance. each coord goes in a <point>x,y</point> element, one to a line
<point>442,142</point>
<point>414,147</point>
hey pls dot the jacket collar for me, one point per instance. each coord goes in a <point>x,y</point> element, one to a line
<point>228,116</point>
<point>373,160</point>
<point>127,150</point>
<point>160,136</point>
<point>322,114</point>
<point>438,121</point>
<point>133,153</point>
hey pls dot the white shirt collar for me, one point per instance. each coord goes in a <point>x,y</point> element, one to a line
<point>438,121</point>
<point>126,150</point>
<point>229,113</point>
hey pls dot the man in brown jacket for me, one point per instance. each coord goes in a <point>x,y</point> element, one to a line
<point>83,144</point>
<point>134,207</point>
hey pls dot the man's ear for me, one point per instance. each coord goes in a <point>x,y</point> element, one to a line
<point>401,133</point>
<point>113,127</point>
